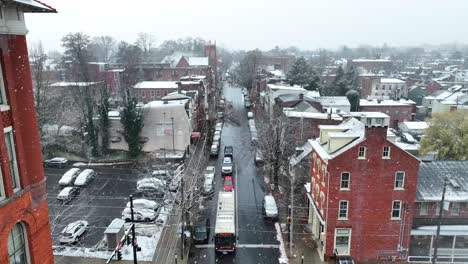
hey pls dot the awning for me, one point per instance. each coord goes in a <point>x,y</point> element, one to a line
<point>195,135</point>
<point>445,230</point>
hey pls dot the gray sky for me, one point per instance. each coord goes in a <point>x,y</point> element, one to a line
<point>248,24</point>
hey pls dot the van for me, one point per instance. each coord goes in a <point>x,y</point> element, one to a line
<point>270,209</point>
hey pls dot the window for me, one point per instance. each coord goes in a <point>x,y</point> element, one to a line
<point>10,143</point>
<point>158,93</point>
<point>362,152</point>
<point>369,121</point>
<point>399,180</point>
<point>324,175</point>
<point>3,100</point>
<point>17,245</point>
<point>322,200</point>
<point>386,152</point>
<point>383,87</point>
<point>396,209</point>
<point>455,209</point>
<point>314,158</point>
<point>423,209</point>
<point>379,121</point>
<point>345,178</point>
<point>343,211</point>
<point>142,93</point>
<point>318,168</point>
<point>152,93</point>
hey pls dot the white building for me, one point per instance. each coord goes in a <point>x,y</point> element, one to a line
<point>389,88</point>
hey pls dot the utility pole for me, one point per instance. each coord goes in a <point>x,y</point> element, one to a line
<point>173,135</point>
<point>439,222</point>
<point>182,234</point>
<point>135,261</point>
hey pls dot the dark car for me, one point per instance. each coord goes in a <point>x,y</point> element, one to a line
<point>202,233</point>
<point>56,162</point>
<point>229,152</point>
<point>344,260</point>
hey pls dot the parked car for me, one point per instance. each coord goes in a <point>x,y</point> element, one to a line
<point>250,115</point>
<point>69,177</point>
<point>73,231</point>
<point>85,177</point>
<point>144,204</point>
<point>57,162</point>
<point>220,115</point>
<point>161,174</point>
<point>229,152</point>
<point>406,137</point>
<point>214,150</point>
<point>247,103</point>
<point>259,158</point>
<point>216,138</point>
<point>208,187</point>
<point>344,260</point>
<point>219,127</point>
<point>210,172</point>
<point>145,215</point>
<point>227,167</point>
<point>68,194</point>
<point>228,185</point>
<point>270,209</point>
<point>217,133</point>
<point>151,185</point>
<point>202,233</point>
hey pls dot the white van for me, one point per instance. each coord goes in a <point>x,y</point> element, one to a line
<point>270,209</point>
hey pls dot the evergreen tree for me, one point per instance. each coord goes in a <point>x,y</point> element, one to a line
<point>353,98</point>
<point>303,74</point>
<point>103,109</point>
<point>132,121</point>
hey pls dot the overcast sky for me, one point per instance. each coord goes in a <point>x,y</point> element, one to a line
<point>249,24</point>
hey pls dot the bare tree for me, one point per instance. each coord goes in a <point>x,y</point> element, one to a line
<point>146,42</point>
<point>103,47</point>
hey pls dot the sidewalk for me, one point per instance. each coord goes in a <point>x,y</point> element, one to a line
<point>304,246</point>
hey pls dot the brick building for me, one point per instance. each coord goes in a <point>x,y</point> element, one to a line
<point>372,65</point>
<point>24,221</point>
<point>362,191</point>
<point>398,110</point>
<point>384,88</point>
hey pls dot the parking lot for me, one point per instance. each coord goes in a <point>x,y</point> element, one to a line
<point>98,203</point>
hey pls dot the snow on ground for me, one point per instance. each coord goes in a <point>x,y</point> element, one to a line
<point>147,236</point>
<point>283,259</point>
<point>78,164</point>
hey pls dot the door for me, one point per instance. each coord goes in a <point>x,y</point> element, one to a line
<point>342,241</point>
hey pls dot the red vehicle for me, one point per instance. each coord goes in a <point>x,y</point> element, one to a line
<point>228,184</point>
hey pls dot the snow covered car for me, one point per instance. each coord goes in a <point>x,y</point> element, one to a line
<point>227,166</point>
<point>219,127</point>
<point>408,138</point>
<point>144,204</point>
<point>85,177</point>
<point>151,184</point>
<point>202,233</point>
<point>210,172</point>
<point>214,150</point>
<point>73,231</point>
<point>67,194</point>
<point>57,162</point>
<point>217,133</point>
<point>216,138</point>
<point>69,177</point>
<point>145,215</point>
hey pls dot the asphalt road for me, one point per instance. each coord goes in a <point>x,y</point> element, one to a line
<point>255,235</point>
<point>98,203</point>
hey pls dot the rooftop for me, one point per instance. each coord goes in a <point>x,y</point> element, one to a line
<point>416,125</point>
<point>156,85</point>
<point>369,114</point>
<point>371,60</point>
<point>387,102</point>
<point>311,115</point>
<point>34,6</point>
<point>391,80</point>
<point>72,84</point>
<point>431,181</point>
<point>333,100</point>
<point>286,87</point>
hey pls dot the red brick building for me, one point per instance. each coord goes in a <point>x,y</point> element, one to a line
<point>24,222</point>
<point>398,110</point>
<point>362,191</point>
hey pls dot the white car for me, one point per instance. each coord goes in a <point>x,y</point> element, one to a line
<point>227,166</point>
<point>69,177</point>
<point>151,184</point>
<point>144,204</point>
<point>216,138</point>
<point>210,172</point>
<point>219,127</point>
<point>72,232</point>
<point>85,177</point>
<point>217,133</point>
<point>67,194</point>
<point>146,215</point>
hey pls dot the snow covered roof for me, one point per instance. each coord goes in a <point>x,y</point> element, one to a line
<point>156,85</point>
<point>113,113</point>
<point>311,115</point>
<point>35,6</point>
<point>387,102</point>
<point>352,128</point>
<point>170,103</point>
<point>391,80</point>
<point>371,60</point>
<point>306,150</point>
<point>445,230</point>
<point>197,61</point>
<point>416,125</point>
<point>368,114</point>
<point>285,87</point>
<point>333,100</point>
<point>193,77</point>
<point>431,181</point>
<point>72,84</point>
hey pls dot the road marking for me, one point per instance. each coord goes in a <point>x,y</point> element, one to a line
<point>242,246</point>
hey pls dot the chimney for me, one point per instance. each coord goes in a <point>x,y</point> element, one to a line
<point>178,87</point>
<point>301,96</point>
